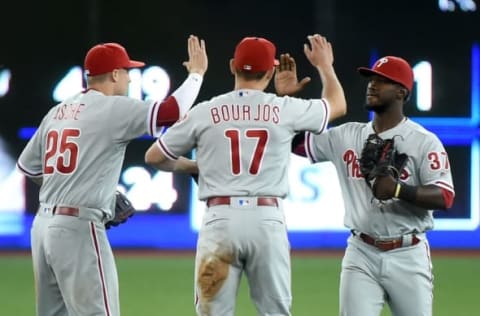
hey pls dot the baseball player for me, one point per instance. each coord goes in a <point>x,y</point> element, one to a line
<point>387,258</point>
<point>242,140</point>
<point>76,156</point>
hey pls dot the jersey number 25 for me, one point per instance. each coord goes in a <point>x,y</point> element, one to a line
<point>60,146</point>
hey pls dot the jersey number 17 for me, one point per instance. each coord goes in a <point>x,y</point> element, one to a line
<point>235,144</point>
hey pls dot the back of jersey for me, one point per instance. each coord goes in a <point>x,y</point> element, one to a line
<point>243,140</point>
<point>80,145</point>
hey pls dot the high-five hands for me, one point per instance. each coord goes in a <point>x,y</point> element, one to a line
<point>319,53</point>
<point>197,54</point>
<point>286,81</point>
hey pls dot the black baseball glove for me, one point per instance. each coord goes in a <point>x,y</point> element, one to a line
<point>379,158</point>
<point>123,210</point>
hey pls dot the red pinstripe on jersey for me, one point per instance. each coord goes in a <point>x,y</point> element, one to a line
<point>308,147</point>
<point>326,116</point>
<point>444,185</point>
<point>100,268</point>
<point>165,150</point>
<point>30,174</point>
<point>153,114</point>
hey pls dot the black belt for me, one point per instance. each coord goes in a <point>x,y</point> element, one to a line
<point>388,244</point>
<point>225,200</point>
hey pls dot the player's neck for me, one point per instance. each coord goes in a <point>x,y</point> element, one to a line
<point>250,84</point>
<point>383,123</point>
<point>106,89</point>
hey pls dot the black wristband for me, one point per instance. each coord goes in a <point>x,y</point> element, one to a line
<point>407,192</point>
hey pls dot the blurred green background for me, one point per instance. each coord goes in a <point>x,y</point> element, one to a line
<point>161,284</point>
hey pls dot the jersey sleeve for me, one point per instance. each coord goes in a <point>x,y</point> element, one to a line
<point>30,161</point>
<point>180,138</point>
<point>308,115</point>
<point>435,165</point>
<point>186,94</point>
<point>131,118</point>
<point>321,147</point>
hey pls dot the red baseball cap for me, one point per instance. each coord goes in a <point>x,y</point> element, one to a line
<point>103,58</point>
<point>394,68</point>
<point>255,54</point>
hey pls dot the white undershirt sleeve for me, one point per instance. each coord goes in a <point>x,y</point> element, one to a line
<point>188,92</point>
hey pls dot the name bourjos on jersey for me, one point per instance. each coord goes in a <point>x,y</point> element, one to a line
<point>236,112</point>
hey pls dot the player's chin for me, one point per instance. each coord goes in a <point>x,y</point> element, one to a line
<point>377,107</point>
<point>372,102</point>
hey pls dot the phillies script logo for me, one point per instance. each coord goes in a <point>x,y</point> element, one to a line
<point>353,167</point>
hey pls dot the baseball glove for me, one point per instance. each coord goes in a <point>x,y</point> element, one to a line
<point>123,210</point>
<point>379,158</point>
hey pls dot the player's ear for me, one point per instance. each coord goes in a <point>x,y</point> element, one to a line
<point>270,73</point>
<point>232,67</point>
<point>115,74</point>
<point>402,93</point>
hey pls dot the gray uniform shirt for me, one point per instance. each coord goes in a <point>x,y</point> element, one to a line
<point>427,164</point>
<point>80,144</point>
<point>242,140</point>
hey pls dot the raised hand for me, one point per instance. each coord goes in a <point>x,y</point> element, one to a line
<point>319,53</point>
<point>197,54</point>
<point>286,81</point>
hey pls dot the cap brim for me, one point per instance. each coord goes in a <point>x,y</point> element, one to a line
<point>367,72</point>
<point>135,64</point>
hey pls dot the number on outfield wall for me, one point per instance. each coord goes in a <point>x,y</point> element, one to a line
<point>151,83</point>
<point>423,77</point>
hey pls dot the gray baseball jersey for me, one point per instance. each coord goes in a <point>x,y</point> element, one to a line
<point>243,141</point>
<point>80,145</point>
<point>427,164</point>
<point>403,273</point>
<point>78,152</point>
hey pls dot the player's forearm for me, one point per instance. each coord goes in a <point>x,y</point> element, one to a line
<point>185,165</point>
<point>188,92</point>
<point>333,92</point>
<point>426,196</point>
<point>155,158</point>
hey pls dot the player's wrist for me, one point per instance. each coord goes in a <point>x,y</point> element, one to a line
<point>196,72</point>
<point>405,192</point>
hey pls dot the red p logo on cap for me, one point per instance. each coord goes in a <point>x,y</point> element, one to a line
<point>394,68</point>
